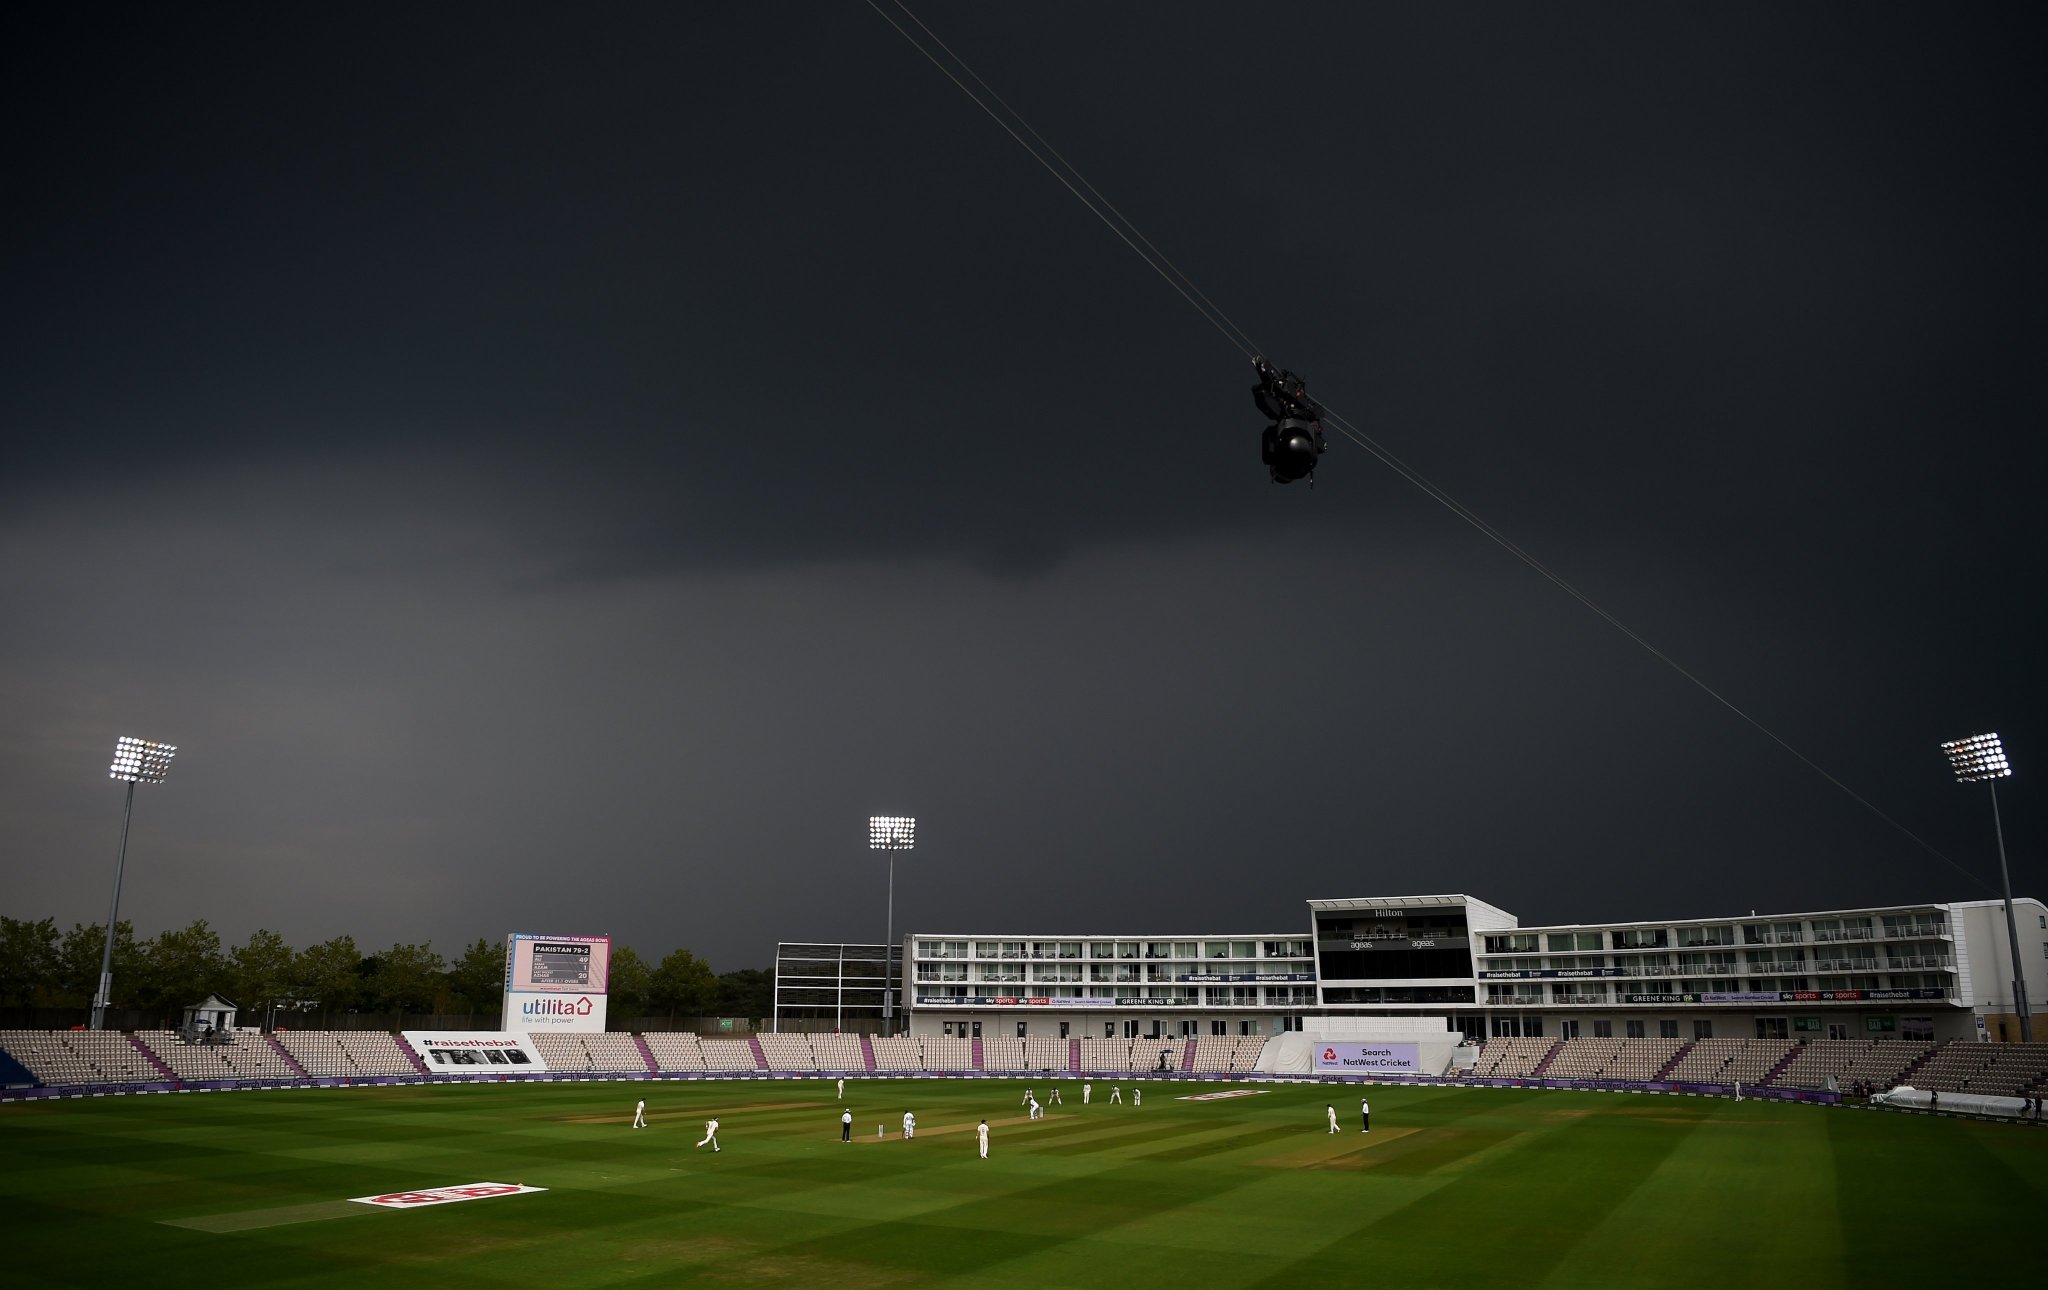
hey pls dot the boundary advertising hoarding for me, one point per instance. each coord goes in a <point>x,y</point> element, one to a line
<point>466,1050</point>
<point>1368,1058</point>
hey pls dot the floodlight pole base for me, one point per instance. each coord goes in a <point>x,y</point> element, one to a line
<point>2012,927</point>
<point>100,1000</point>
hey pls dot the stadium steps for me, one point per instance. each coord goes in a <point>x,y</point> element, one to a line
<point>154,1060</point>
<point>285,1054</point>
<point>1906,1075</point>
<point>1664,1071</point>
<point>419,1062</point>
<point>646,1054</point>
<point>867,1051</point>
<point>1074,1054</point>
<point>760,1055</point>
<point>1187,1056</point>
<point>1778,1068</point>
<point>977,1052</point>
<point>1543,1067</point>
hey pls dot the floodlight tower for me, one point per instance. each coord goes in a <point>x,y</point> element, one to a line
<point>1981,758</point>
<point>891,833</point>
<point>138,761</point>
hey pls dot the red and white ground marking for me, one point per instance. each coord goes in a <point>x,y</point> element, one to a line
<point>444,1195</point>
<point>1218,1097</point>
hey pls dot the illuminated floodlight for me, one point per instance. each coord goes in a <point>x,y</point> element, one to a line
<point>892,832</point>
<point>136,761</point>
<point>141,761</point>
<point>1978,758</point>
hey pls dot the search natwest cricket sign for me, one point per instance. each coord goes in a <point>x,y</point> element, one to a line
<point>444,1195</point>
<point>1370,1059</point>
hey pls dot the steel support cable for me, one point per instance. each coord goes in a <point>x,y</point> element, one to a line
<point>1222,325</point>
<point>1557,580</point>
<point>1075,171</point>
<point>1215,317</point>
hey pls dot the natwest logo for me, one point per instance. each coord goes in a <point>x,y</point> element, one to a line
<point>1329,1054</point>
<point>444,1195</point>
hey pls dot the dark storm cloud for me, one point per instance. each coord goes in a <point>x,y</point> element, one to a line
<point>568,468</point>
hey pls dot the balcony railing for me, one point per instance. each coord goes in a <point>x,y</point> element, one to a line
<point>1774,938</point>
<point>1895,932</point>
<point>1844,934</point>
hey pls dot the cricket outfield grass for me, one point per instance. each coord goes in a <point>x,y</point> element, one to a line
<point>1453,1187</point>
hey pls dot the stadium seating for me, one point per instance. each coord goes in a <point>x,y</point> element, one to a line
<point>601,1052</point>
<point>1047,1053</point>
<point>1730,1061</point>
<point>788,1052</point>
<point>676,1054</point>
<point>836,1052</point>
<point>1218,1053</point>
<point>899,1053</point>
<point>1612,1059</point>
<point>1106,1055</point>
<point>944,1053</point>
<point>728,1055</point>
<point>1849,1061</point>
<point>1005,1054</point>
<point>79,1056</point>
<point>347,1054</point>
<point>1512,1057</point>
<point>229,1056</point>
<point>1996,1070</point>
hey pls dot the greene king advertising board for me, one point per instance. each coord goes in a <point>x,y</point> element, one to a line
<point>556,982</point>
<point>1368,1059</point>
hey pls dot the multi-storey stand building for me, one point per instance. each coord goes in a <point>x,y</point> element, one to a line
<point>1939,971</point>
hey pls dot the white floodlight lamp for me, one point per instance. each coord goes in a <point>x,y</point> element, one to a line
<point>1980,759</point>
<point>141,761</point>
<point>891,833</point>
<point>136,761</point>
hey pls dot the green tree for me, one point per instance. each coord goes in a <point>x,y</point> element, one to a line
<point>260,973</point>
<point>682,985</point>
<point>184,967</point>
<point>326,974</point>
<point>408,978</point>
<point>629,986</point>
<point>78,962</point>
<point>749,992</point>
<point>29,962</point>
<point>478,978</point>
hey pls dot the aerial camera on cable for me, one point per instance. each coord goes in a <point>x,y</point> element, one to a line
<point>1289,446</point>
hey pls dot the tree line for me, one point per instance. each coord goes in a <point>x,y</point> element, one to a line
<point>43,967</point>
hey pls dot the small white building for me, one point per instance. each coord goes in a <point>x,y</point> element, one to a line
<point>210,1013</point>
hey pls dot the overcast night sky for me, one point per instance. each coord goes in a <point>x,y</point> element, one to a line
<point>561,468</point>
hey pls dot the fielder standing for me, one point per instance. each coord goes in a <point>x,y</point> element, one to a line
<point>1086,1089</point>
<point>909,1125</point>
<point>1332,1109</point>
<point>841,1094</point>
<point>640,1114</point>
<point>981,1133</point>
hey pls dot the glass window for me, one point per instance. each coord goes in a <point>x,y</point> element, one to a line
<point>1667,1030</point>
<point>1633,1029</point>
<point>1603,1030</point>
<point>1702,1028</point>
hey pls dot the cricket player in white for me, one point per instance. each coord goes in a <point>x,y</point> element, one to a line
<point>1056,1096</point>
<point>1037,1111</point>
<point>640,1114</point>
<point>1332,1109</point>
<point>1086,1089</point>
<point>1028,1099</point>
<point>841,1095</point>
<point>1116,1093</point>
<point>1137,1097</point>
<point>981,1132</point>
<point>909,1125</point>
<point>710,1134</point>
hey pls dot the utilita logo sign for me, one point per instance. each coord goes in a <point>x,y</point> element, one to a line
<point>444,1195</point>
<point>556,1008</point>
